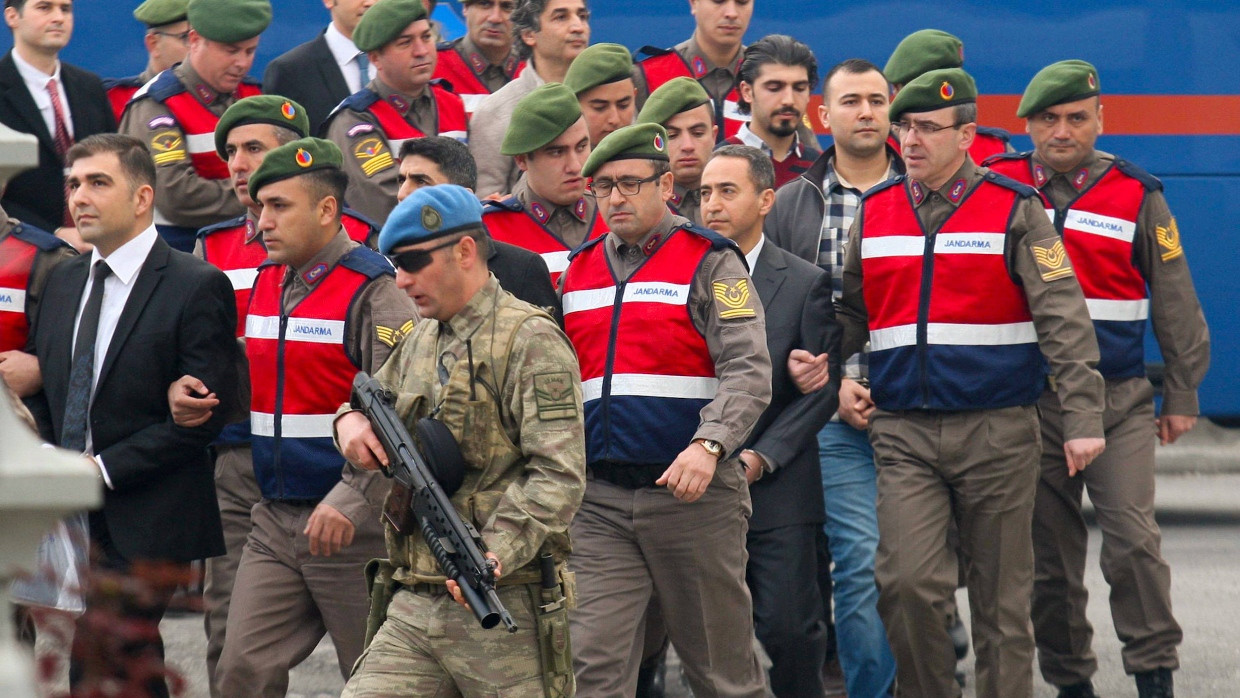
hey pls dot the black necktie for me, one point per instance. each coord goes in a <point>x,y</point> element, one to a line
<point>77,404</point>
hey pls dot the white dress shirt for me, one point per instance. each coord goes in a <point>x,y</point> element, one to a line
<point>752,258</point>
<point>345,52</point>
<point>36,84</point>
<point>125,262</point>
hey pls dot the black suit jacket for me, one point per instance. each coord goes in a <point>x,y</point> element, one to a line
<point>308,74</point>
<point>180,319</point>
<point>799,315</point>
<point>524,274</point>
<point>37,196</point>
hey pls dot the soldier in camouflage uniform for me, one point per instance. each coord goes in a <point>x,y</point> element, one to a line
<point>503,378</point>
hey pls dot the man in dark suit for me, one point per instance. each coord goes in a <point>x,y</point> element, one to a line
<point>425,162</point>
<point>320,73</point>
<point>117,327</point>
<point>781,455</point>
<point>56,102</point>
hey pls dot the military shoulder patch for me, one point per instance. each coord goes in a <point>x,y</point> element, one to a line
<point>1052,259</point>
<point>167,147</point>
<point>373,156</point>
<point>391,336</point>
<point>554,394</point>
<point>733,299</point>
<point>1169,241</point>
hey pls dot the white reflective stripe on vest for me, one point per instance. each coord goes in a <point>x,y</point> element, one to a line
<point>293,426</point>
<point>732,110</point>
<point>1096,224</point>
<point>242,279</point>
<point>892,246</point>
<point>394,144</point>
<point>651,292</point>
<point>472,101</point>
<point>646,385</point>
<point>1050,213</point>
<point>13,300</point>
<point>556,261</point>
<point>462,136</point>
<point>1121,311</point>
<point>969,243</point>
<point>200,142</point>
<point>954,334</point>
<point>298,330</point>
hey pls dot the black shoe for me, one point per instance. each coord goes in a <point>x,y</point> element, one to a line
<point>1155,684</point>
<point>652,677</point>
<point>960,639</point>
<point>1084,689</point>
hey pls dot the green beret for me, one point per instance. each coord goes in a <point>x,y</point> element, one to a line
<point>293,159</point>
<point>675,96</point>
<point>923,51</point>
<point>934,90</point>
<point>539,118</point>
<point>599,64</point>
<point>157,13</point>
<point>229,21</point>
<point>384,21</point>
<point>1057,83</point>
<point>261,109</point>
<point>639,141</point>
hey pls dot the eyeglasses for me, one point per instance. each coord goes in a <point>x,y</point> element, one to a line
<point>921,128</point>
<point>414,261</point>
<point>183,37</point>
<point>601,188</point>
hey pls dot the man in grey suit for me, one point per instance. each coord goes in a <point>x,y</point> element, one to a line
<point>323,71</point>
<point>781,454</point>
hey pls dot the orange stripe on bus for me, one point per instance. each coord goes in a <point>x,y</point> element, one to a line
<point>1125,115</point>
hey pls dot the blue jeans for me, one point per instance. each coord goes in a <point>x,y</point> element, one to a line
<point>850,489</point>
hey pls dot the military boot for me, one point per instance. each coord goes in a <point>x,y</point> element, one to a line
<point>1084,689</point>
<point>1155,684</point>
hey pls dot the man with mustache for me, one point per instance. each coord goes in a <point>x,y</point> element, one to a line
<point>400,103</point>
<point>176,113</point>
<point>485,59</point>
<point>775,78</point>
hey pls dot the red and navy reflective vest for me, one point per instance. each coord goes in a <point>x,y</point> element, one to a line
<point>950,328</point>
<point>664,64</point>
<point>646,372</point>
<point>450,111</point>
<point>195,120</point>
<point>18,251</point>
<point>508,221</point>
<point>300,372</point>
<point>463,79</point>
<point>236,248</point>
<point>1098,228</point>
<point>120,91</point>
<point>988,142</point>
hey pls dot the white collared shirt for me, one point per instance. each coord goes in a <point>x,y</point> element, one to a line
<point>36,84</point>
<point>345,52</point>
<point>752,258</point>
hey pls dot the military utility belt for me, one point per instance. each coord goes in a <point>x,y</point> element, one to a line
<point>297,503</point>
<point>630,476</point>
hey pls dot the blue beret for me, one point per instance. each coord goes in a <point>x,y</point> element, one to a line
<point>429,213</point>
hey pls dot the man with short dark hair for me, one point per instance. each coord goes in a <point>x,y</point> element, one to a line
<point>684,110</point>
<point>811,218</point>
<point>775,78</point>
<point>602,79</point>
<point>485,59</point>
<point>325,308</point>
<point>549,34</point>
<point>782,454</point>
<point>166,42</point>
<point>116,328</point>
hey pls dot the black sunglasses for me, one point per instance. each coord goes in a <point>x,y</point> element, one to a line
<point>413,261</point>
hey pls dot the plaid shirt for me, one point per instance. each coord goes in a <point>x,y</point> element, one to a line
<point>841,201</point>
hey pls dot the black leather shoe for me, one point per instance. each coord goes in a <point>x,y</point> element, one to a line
<point>652,677</point>
<point>1155,684</point>
<point>1084,689</point>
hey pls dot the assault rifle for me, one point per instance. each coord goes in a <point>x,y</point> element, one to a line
<point>455,543</point>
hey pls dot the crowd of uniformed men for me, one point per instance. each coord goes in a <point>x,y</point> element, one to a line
<point>725,380</point>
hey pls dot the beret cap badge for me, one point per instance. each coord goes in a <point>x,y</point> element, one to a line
<point>431,220</point>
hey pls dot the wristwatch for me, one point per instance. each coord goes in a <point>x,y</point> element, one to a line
<point>714,448</point>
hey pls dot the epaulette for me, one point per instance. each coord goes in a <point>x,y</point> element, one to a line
<point>442,83</point>
<point>1151,182</point>
<point>360,216</point>
<point>1001,134</point>
<point>651,52</point>
<point>1005,181</point>
<point>38,237</point>
<point>358,101</point>
<point>164,86</point>
<point>366,261</point>
<point>131,81</point>
<point>585,246</point>
<point>446,45</point>
<point>223,225</point>
<point>717,241</point>
<point>1006,156</point>
<point>510,204</point>
<point>898,179</point>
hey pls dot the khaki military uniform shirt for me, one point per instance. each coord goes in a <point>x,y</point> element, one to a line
<point>688,203</point>
<point>737,346</point>
<point>716,80</point>
<point>378,317</point>
<point>182,197</point>
<point>1065,332</point>
<point>494,76</point>
<point>44,262</point>
<point>569,223</point>
<point>369,160</point>
<point>1179,323</point>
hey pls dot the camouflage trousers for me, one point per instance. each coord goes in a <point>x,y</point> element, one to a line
<point>430,646</point>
